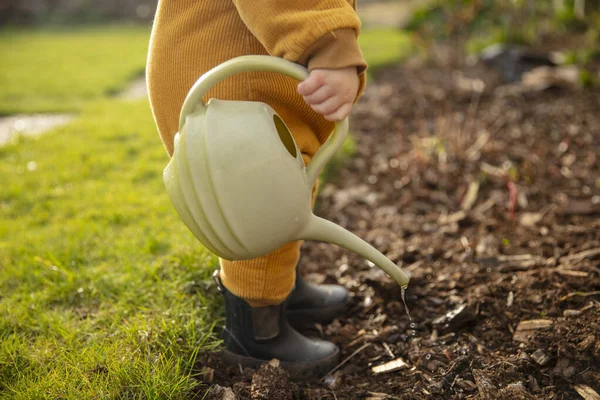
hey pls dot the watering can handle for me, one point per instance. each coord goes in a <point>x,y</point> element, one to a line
<point>269,64</point>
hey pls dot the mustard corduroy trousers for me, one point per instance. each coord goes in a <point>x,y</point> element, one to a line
<point>183,46</point>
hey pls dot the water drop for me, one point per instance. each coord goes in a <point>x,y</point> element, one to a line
<point>428,357</point>
<point>402,290</point>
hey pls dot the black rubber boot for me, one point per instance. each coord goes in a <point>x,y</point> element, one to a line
<point>309,304</point>
<point>255,335</point>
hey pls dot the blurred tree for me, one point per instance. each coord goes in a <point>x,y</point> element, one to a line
<point>502,21</point>
<point>16,12</point>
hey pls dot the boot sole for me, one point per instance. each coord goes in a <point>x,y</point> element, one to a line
<point>299,371</point>
<point>304,318</point>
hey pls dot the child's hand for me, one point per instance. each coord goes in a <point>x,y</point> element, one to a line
<point>330,92</point>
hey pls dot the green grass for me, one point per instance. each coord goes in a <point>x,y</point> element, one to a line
<point>103,291</point>
<point>59,70</point>
<point>383,47</point>
<point>100,281</point>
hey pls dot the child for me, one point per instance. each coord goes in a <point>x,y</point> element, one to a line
<point>190,37</point>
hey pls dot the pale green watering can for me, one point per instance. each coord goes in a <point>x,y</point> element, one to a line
<point>237,178</point>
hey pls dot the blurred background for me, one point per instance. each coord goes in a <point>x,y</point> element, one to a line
<point>34,12</point>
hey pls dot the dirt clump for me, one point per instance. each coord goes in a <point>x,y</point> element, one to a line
<point>272,383</point>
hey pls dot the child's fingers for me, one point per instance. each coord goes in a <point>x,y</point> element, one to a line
<point>328,106</point>
<point>308,86</point>
<point>320,95</point>
<point>339,114</point>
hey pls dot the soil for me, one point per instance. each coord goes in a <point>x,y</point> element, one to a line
<point>489,194</point>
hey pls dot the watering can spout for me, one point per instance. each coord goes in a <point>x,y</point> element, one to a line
<point>326,231</point>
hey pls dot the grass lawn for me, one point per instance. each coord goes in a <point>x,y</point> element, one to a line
<point>384,46</point>
<point>103,291</point>
<point>59,70</point>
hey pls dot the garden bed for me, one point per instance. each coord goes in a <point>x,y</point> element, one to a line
<point>489,195</point>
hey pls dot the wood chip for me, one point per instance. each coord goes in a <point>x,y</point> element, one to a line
<point>528,328</point>
<point>587,343</point>
<point>515,258</point>
<point>586,392</point>
<point>208,375</point>
<point>455,319</point>
<point>391,366</point>
<point>377,396</point>
<point>466,384</point>
<point>540,357</point>
<point>510,299</point>
<point>530,218</point>
<point>452,218</point>
<point>516,262</point>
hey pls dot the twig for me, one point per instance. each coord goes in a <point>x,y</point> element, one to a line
<point>481,209</point>
<point>493,170</point>
<point>471,196</point>
<point>478,145</point>
<point>513,197</point>
<point>580,256</point>
<point>478,87</point>
<point>580,294</point>
<point>518,258</point>
<point>414,266</point>
<point>570,272</point>
<point>388,350</point>
<point>361,348</point>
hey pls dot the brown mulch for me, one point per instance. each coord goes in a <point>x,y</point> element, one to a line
<point>491,199</point>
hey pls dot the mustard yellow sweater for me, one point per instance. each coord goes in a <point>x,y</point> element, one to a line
<point>189,37</point>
